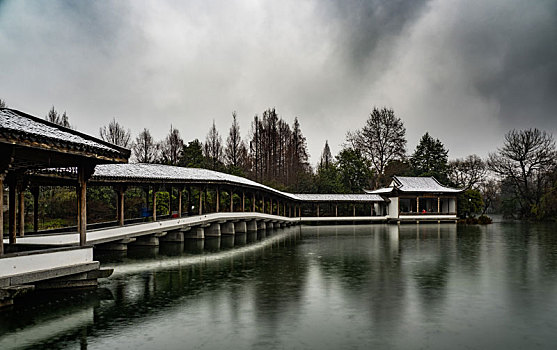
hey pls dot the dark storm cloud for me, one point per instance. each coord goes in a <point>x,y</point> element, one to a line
<point>464,70</point>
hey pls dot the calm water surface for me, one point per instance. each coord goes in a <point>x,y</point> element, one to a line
<point>327,287</point>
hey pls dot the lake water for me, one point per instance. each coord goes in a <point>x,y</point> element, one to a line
<point>427,286</point>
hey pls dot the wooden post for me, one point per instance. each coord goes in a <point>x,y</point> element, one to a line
<point>188,211</point>
<point>253,202</point>
<point>371,210</point>
<point>317,209</point>
<point>12,214</point>
<point>35,191</point>
<point>218,198</point>
<point>82,204</point>
<point>271,206</point>
<point>180,202</point>
<point>231,201</point>
<point>417,204</point>
<point>200,201</point>
<point>21,210</point>
<point>154,204</point>
<point>438,204</point>
<point>353,209</point>
<point>121,192</point>
<point>1,214</point>
<point>170,202</point>
<point>336,209</point>
<point>263,204</point>
<point>300,211</point>
<point>243,201</point>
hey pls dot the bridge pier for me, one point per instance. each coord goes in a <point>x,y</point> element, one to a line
<point>252,226</point>
<point>261,225</point>
<point>240,227</point>
<point>197,232</point>
<point>227,228</point>
<point>121,245</point>
<point>173,237</point>
<point>148,241</point>
<point>270,226</point>
<point>213,230</point>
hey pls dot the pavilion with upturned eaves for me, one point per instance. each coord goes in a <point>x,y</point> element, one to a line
<point>419,198</point>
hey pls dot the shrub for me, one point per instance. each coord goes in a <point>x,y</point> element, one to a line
<point>484,220</point>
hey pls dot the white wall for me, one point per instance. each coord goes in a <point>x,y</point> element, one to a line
<point>393,208</point>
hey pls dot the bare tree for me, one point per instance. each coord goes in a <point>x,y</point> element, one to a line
<point>115,134</point>
<point>212,149</point>
<point>171,147</point>
<point>526,160</point>
<point>144,148</point>
<point>61,119</point>
<point>490,190</point>
<point>467,173</point>
<point>234,144</point>
<point>381,140</point>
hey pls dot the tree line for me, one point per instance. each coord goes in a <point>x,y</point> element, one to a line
<point>518,180</point>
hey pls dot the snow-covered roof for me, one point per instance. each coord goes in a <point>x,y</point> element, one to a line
<point>383,190</point>
<point>168,173</point>
<point>172,174</point>
<point>16,125</point>
<point>339,197</point>
<point>421,184</point>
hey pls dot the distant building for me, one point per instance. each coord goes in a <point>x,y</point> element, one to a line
<point>419,198</point>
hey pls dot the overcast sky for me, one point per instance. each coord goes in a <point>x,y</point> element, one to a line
<point>467,71</point>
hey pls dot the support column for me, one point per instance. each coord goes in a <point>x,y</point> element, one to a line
<point>253,202</point>
<point>35,191</point>
<point>336,209</point>
<point>263,204</point>
<point>417,204</point>
<point>180,202</point>
<point>371,210</point>
<point>231,201</point>
<point>299,211</point>
<point>82,176</point>
<point>271,206</point>
<point>12,214</point>
<point>154,204</point>
<point>200,201</point>
<point>438,204</point>
<point>121,192</point>
<point>218,199</point>
<point>21,210</point>
<point>353,209</point>
<point>2,214</point>
<point>243,201</point>
<point>317,209</point>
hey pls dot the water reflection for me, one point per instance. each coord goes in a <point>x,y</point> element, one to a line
<point>428,285</point>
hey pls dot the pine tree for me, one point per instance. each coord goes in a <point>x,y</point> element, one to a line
<point>212,149</point>
<point>430,159</point>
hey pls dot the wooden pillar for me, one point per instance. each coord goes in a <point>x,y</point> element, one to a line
<point>284,209</point>
<point>12,214</point>
<point>154,203</point>
<point>170,202</point>
<point>317,209</point>
<point>271,206</point>
<point>188,201</point>
<point>82,204</point>
<point>263,204</point>
<point>21,211</point>
<point>336,209</point>
<point>289,210</point>
<point>200,201</point>
<point>438,204</point>
<point>2,214</point>
<point>353,209</point>
<point>218,199</point>
<point>417,204</point>
<point>371,210</point>
<point>121,193</point>
<point>35,191</point>
<point>300,211</point>
<point>231,201</point>
<point>180,202</point>
<point>243,201</point>
<point>253,202</point>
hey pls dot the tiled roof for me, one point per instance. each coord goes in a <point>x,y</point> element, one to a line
<point>421,184</point>
<point>16,126</point>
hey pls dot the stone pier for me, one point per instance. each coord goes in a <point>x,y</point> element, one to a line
<point>213,230</point>
<point>240,227</point>
<point>227,228</point>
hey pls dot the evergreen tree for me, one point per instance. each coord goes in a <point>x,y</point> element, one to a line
<point>430,159</point>
<point>192,155</point>
<point>235,153</point>
<point>354,171</point>
<point>326,156</point>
